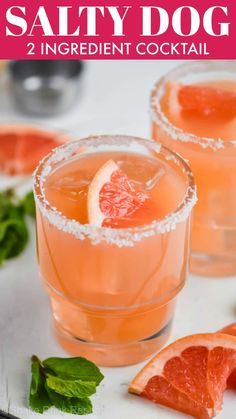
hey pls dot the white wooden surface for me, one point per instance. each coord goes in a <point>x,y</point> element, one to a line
<point>114,100</point>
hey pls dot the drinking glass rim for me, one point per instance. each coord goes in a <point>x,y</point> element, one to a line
<point>176,133</point>
<point>119,236</point>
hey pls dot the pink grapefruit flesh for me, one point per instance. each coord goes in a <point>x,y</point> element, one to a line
<point>113,201</point>
<point>206,100</point>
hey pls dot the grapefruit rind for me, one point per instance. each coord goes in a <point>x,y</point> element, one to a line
<point>230,329</point>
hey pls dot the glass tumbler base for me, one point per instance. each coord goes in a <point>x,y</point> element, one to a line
<point>112,355</point>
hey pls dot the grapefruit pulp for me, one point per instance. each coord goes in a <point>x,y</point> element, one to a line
<point>113,200</point>
<point>189,375</point>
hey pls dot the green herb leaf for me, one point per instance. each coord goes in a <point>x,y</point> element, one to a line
<point>13,237</point>
<point>71,405</point>
<point>70,388</point>
<point>39,400</point>
<point>13,229</point>
<point>28,204</point>
<point>64,383</point>
<point>9,205</point>
<point>35,380</point>
<point>74,369</point>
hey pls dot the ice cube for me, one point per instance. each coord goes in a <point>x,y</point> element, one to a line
<point>144,174</point>
<point>73,186</point>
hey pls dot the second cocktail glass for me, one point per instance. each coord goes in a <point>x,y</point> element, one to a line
<point>113,290</point>
<point>204,133</point>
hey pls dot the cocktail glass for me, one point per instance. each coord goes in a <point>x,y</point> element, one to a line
<point>112,290</point>
<point>208,143</point>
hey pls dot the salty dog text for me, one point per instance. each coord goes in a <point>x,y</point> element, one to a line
<point>88,21</point>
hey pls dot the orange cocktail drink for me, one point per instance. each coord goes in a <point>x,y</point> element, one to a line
<point>113,228</point>
<point>194,114</point>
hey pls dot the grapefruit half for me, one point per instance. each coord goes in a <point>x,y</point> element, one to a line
<point>22,147</point>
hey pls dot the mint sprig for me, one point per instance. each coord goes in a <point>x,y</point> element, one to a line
<point>65,383</point>
<point>13,228</point>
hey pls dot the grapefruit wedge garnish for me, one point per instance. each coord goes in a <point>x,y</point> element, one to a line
<point>206,100</point>
<point>22,147</point>
<point>190,375</point>
<point>113,200</point>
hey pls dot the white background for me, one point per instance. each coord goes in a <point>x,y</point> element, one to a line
<point>114,100</point>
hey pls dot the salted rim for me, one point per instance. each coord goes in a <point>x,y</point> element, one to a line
<point>123,236</point>
<point>158,116</point>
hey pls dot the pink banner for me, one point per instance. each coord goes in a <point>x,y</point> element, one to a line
<point>132,29</point>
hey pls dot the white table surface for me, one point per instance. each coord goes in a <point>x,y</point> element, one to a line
<point>114,100</point>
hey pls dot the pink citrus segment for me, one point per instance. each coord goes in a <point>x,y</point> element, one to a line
<point>190,375</point>
<point>207,100</point>
<point>113,201</point>
<point>160,391</point>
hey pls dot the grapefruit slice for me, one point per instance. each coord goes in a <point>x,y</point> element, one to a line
<point>22,147</point>
<point>112,198</point>
<point>230,330</point>
<point>206,100</point>
<point>190,375</point>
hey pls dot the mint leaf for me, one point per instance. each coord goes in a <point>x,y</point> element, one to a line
<point>74,369</point>
<point>9,206</point>
<point>40,402</point>
<point>71,405</point>
<point>13,228</point>
<point>35,380</point>
<point>38,399</point>
<point>13,237</point>
<point>3,253</point>
<point>61,382</point>
<point>70,388</point>
<point>28,204</point>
